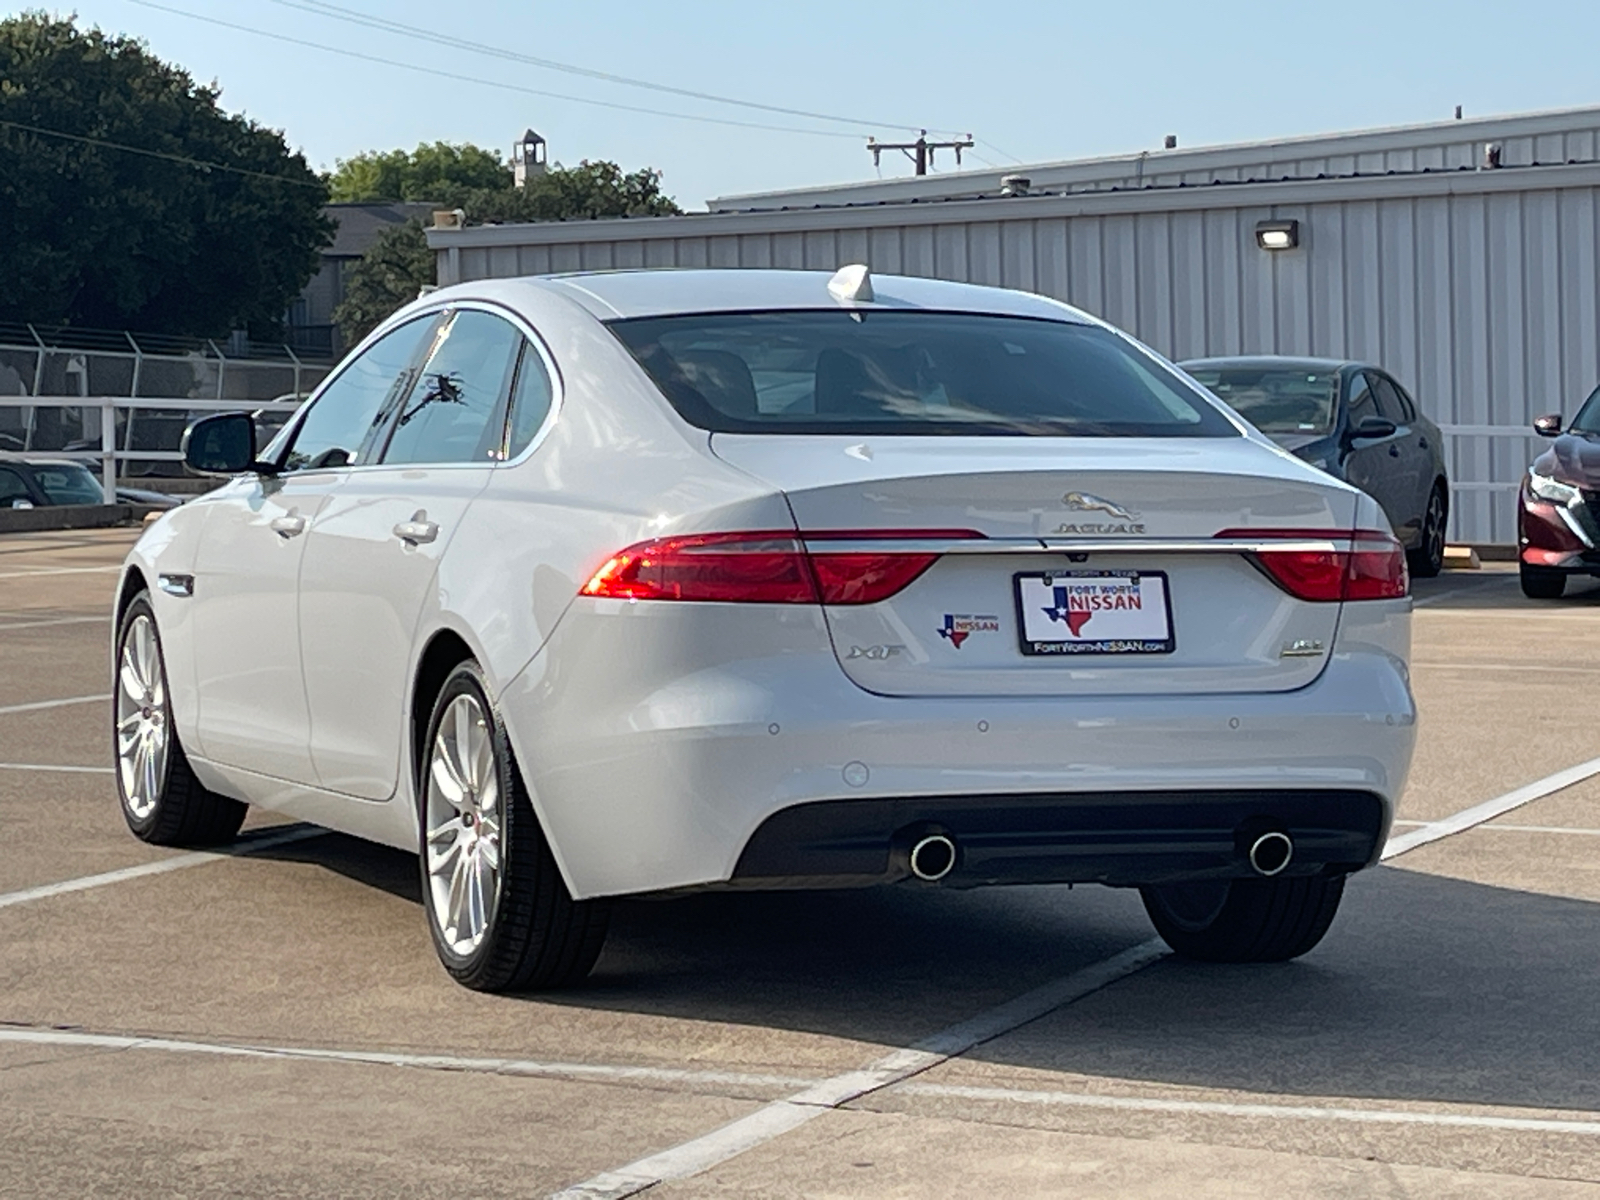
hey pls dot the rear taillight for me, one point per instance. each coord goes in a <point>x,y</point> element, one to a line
<point>1365,565</point>
<point>780,567</point>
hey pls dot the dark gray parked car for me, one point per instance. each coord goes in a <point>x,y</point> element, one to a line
<point>1356,423</point>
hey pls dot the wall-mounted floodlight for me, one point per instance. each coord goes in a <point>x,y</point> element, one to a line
<point>1278,235</point>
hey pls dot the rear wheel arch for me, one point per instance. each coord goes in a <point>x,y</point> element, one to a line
<point>445,651</point>
<point>133,582</point>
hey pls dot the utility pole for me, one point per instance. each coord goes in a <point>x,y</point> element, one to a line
<point>920,152</point>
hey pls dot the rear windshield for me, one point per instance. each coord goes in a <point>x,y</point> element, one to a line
<point>1275,399</point>
<point>913,373</point>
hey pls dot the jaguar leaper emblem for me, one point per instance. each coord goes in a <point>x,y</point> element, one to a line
<point>1088,502</point>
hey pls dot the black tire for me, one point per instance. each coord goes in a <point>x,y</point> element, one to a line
<point>1427,560</point>
<point>537,936</point>
<point>1540,583</point>
<point>184,813</point>
<point>1244,920</point>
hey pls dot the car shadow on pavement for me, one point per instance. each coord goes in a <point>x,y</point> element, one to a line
<point>1427,988</point>
<point>1497,588</point>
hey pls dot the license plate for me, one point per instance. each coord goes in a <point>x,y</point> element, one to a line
<point>1095,612</point>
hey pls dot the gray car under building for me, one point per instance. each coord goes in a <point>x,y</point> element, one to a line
<point>1461,256</point>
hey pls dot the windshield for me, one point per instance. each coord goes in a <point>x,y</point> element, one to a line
<point>894,372</point>
<point>1588,419</point>
<point>1275,399</point>
<point>67,483</point>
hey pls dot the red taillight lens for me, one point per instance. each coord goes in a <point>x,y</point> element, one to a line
<point>750,568</point>
<point>1365,565</point>
<point>865,578</point>
<point>768,568</point>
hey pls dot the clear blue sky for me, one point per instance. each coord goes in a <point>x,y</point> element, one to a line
<point>1035,79</point>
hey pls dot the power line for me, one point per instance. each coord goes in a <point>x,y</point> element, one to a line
<point>1000,152</point>
<point>199,164</point>
<point>335,12</point>
<point>510,87</point>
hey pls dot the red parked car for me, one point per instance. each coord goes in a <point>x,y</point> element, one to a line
<point>1558,517</point>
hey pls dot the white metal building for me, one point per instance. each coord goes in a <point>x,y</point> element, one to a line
<point>1476,285</point>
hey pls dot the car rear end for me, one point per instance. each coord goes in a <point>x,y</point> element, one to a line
<point>1039,613</point>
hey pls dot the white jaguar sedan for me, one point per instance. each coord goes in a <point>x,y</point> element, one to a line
<point>645,582</point>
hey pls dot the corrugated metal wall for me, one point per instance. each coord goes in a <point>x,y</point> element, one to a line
<point>1543,139</point>
<point>1483,304</point>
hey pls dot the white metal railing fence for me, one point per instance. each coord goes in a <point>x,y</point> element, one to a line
<point>1473,465</point>
<point>105,409</point>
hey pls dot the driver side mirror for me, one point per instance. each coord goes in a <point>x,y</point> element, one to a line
<point>1374,427</point>
<point>1548,425</point>
<point>222,444</point>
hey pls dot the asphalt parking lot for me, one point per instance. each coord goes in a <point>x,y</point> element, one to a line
<point>272,1021</point>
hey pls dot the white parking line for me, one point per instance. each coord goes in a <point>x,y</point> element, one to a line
<point>57,767</point>
<point>777,1118</point>
<point>1470,818</point>
<point>40,705</point>
<point>1292,1112</point>
<point>1530,669</point>
<point>55,621</point>
<point>601,1072</point>
<point>193,858</point>
<point>57,571</point>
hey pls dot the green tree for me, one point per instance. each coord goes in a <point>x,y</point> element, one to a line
<point>394,269</point>
<point>208,223</point>
<point>430,172</point>
<point>399,264</point>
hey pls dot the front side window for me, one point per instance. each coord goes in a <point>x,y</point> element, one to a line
<point>1275,399</point>
<point>68,483</point>
<point>1389,402</point>
<point>918,373</point>
<point>1588,419</point>
<point>13,488</point>
<point>455,412</point>
<point>1362,404</point>
<point>346,421</point>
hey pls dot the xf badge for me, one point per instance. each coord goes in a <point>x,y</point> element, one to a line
<point>875,653</point>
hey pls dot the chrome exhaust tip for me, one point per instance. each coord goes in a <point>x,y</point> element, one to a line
<point>1271,852</point>
<point>933,857</point>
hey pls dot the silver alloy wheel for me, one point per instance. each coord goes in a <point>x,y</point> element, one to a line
<point>463,825</point>
<point>143,727</point>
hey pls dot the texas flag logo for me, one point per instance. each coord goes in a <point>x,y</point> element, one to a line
<point>958,627</point>
<point>1069,608</point>
<point>950,633</point>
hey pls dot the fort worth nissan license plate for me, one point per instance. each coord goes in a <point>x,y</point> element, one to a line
<point>1094,612</point>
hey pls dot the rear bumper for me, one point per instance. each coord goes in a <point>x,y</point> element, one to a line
<point>1116,838</point>
<point>656,741</point>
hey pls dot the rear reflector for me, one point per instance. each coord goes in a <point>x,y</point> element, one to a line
<point>1365,565</point>
<point>767,567</point>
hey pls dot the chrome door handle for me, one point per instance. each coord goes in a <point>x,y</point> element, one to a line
<point>291,525</point>
<point>418,531</point>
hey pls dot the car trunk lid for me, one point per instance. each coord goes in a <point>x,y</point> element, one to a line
<point>1123,529</point>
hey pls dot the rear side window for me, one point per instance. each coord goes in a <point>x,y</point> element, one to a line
<point>456,411</point>
<point>530,401</point>
<point>68,483</point>
<point>925,373</point>
<point>346,420</point>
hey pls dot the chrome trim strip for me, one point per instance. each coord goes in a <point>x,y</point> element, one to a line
<point>1079,546</point>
